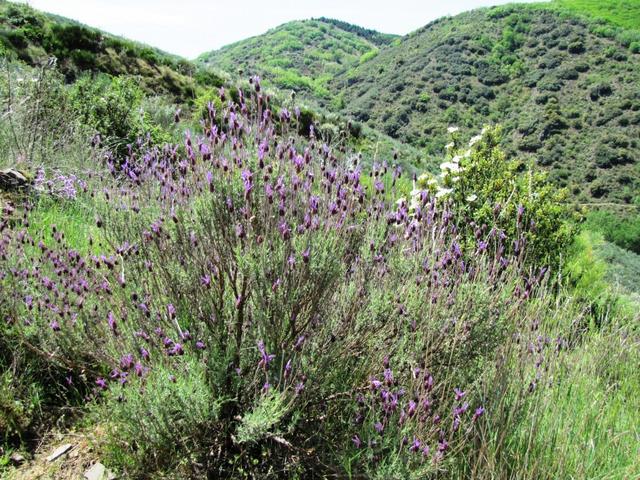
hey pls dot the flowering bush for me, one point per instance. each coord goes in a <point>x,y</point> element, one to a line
<point>264,306</point>
<point>490,192</point>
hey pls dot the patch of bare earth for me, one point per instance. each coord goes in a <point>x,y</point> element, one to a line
<point>64,456</point>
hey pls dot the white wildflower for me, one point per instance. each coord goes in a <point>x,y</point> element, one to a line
<point>424,178</point>
<point>449,146</point>
<point>472,198</point>
<point>450,166</point>
<point>456,159</point>
<point>452,129</point>
<point>475,140</point>
<point>443,192</point>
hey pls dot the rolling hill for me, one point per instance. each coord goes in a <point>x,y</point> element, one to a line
<point>33,37</point>
<point>567,96</point>
<point>301,55</point>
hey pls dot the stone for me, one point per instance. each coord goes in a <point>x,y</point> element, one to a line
<point>60,451</point>
<point>17,459</point>
<point>98,472</point>
<point>12,179</point>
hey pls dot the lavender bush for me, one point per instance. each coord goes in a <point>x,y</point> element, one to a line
<point>255,303</point>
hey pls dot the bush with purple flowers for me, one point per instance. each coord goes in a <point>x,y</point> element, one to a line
<point>254,303</point>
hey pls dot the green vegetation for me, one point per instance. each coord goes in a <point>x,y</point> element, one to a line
<point>562,85</point>
<point>212,280</point>
<point>623,230</point>
<point>34,37</point>
<point>565,96</point>
<point>302,56</point>
<point>622,13</point>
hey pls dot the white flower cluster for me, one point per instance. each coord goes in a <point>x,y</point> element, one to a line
<point>449,173</point>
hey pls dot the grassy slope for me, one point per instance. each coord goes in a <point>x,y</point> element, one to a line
<point>32,36</point>
<point>566,94</point>
<point>622,13</point>
<point>301,55</point>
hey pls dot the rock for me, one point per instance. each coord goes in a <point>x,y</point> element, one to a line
<point>58,452</point>
<point>17,459</point>
<point>99,472</point>
<point>12,179</point>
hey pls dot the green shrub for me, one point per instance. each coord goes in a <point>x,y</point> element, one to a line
<point>368,56</point>
<point>624,231</point>
<point>489,189</point>
<point>111,107</point>
<point>157,424</point>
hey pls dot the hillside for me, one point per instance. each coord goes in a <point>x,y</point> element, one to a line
<point>621,13</point>
<point>301,55</point>
<point>33,37</point>
<point>566,93</point>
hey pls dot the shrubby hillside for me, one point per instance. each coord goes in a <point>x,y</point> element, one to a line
<point>33,37</point>
<point>301,55</point>
<point>565,92</point>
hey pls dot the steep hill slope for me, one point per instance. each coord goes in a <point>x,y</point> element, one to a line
<point>566,93</point>
<point>33,37</point>
<point>301,55</point>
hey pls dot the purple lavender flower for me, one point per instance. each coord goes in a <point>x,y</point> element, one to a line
<point>247,178</point>
<point>176,350</point>
<point>415,446</point>
<point>478,413</point>
<point>126,362</point>
<point>388,376</point>
<point>101,383</point>
<point>379,427</point>
<point>459,394</point>
<point>356,441</point>
<point>265,358</point>
<point>144,353</point>
<point>111,320</point>
<point>139,369</point>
